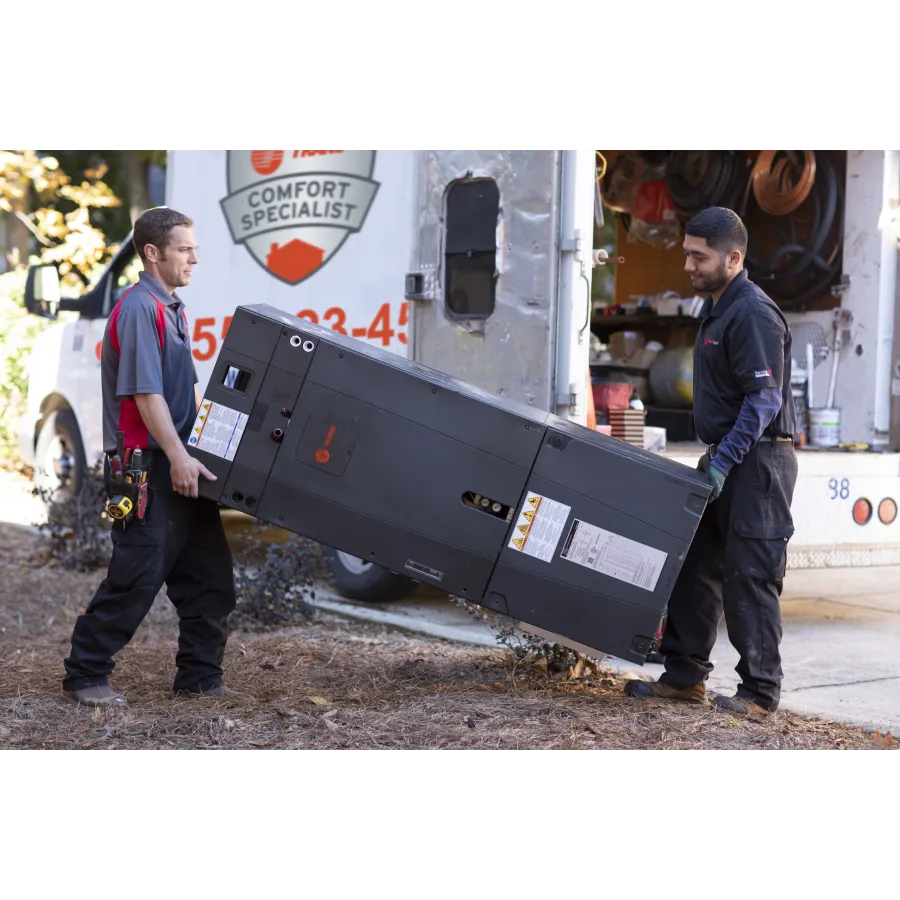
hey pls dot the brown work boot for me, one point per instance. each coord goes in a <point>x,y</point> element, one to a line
<point>740,706</point>
<point>655,690</point>
<point>96,695</point>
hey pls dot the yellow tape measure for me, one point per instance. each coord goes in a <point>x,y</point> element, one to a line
<point>119,507</point>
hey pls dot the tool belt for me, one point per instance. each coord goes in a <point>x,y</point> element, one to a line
<point>128,487</point>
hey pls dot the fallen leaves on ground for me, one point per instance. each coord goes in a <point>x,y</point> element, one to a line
<point>335,683</point>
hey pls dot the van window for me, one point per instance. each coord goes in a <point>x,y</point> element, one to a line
<point>126,273</point>
<point>470,250</point>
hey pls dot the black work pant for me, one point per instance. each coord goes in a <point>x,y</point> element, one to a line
<point>736,565</point>
<point>180,543</point>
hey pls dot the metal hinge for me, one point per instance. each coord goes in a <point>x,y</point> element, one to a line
<point>569,400</point>
<point>419,286</point>
<point>574,245</point>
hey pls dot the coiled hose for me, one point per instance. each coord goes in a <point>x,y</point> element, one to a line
<point>698,179</point>
<point>800,271</point>
<point>777,186</point>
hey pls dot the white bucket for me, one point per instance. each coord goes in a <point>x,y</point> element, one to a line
<point>825,427</point>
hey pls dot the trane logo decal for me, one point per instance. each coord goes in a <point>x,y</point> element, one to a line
<point>293,209</point>
<point>323,454</point>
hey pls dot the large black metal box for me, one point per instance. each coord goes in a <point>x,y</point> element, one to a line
<point>577,534</point>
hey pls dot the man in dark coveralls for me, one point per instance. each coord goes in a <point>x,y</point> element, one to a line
<point>148,380</point>
<point>744,412</point>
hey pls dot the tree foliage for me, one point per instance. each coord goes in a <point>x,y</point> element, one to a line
<point>59,219</point>
<point>61,222</point>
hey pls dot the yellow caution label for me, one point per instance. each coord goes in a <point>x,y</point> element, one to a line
<point>519,542</point>
<point>534,501</point>
<point>524,528</point>
<point>529,514</point>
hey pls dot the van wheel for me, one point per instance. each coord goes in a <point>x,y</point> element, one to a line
<point>59,461</point>
<point>357,579</point>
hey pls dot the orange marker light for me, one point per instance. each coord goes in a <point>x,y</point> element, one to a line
<point>862,511</point>
<point>887,511</point>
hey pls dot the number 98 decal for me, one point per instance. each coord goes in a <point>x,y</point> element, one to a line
<point>839,490</point>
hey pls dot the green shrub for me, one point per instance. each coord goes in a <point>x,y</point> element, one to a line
<point>18,331</point>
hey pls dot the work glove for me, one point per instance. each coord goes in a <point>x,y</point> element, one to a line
<point>715,478</point>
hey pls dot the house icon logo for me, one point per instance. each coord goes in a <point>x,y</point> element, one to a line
<point>293,209</point>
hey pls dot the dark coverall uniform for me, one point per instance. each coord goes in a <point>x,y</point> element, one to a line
<point>180,542</point>
<point>736,563</point>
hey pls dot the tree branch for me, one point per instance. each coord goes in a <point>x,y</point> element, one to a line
<point>30,226</point>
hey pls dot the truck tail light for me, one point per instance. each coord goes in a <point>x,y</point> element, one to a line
<point>887,511</point>
<point>862,511</point>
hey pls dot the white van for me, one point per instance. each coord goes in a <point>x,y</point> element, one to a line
<point>476,263</point>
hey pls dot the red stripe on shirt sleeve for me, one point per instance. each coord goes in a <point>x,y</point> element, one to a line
<point>161,323</point>
<point>114,320</point>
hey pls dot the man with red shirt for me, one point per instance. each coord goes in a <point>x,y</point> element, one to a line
<point>148,380</point>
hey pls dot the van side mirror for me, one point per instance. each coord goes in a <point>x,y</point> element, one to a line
<point>42,291</point>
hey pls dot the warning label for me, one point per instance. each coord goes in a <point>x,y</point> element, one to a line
<point>218,429</point>
<point>539,526</point>
<point>614,555</point>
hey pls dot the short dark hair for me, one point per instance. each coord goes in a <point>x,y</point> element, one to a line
<point>723,229</point>
<point>153,227</point>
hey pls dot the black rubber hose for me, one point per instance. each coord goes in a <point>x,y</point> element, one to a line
<point>698,179</point>
<point>812,264</point>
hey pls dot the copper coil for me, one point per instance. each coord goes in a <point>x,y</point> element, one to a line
<point>776,186</point>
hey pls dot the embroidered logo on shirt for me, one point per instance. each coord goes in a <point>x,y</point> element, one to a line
<point>710,341</point>
<point>763,373</point>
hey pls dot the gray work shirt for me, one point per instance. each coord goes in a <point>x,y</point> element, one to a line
<point>146,350</point>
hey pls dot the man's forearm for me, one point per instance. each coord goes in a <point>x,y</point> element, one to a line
<point>757,412</point>
<point>158,421</point>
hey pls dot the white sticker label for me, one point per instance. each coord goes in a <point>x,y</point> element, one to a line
<point>614,555</point>
<point>218,429</point>
<point>539,526</point>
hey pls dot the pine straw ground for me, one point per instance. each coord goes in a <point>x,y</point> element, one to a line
<point>332,684</point>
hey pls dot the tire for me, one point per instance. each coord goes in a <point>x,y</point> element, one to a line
<point>357,579</point>
<point>59,460</point>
